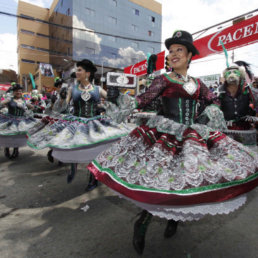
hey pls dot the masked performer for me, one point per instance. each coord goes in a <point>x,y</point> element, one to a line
<point>78,138</point>
<point>14,124</point>
<point>237,104</point>
<point>176,167</point>
<point>37,102</point>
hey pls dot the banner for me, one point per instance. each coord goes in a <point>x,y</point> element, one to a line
<point>210,80</point>
<point>46,70</point>
<point>4,87</point>
<point>141,67</point>
<point>241,34</point>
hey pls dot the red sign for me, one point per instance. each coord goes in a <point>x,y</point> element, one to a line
<point>4,87</point>
<point>238,35</point>
<point>141,67</point>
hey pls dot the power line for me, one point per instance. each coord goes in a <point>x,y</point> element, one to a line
<point>237,17</point>
<point>76,28</point>
<point>114,35</point>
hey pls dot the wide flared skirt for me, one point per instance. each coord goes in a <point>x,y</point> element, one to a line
<point>15,125</point>
<point>74,133</point>
<point>156,169</point>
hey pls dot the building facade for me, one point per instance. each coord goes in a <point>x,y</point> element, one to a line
<point>111,33</point>
<point>32,44</point>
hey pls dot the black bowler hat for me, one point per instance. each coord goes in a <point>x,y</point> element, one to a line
<point>16,86</point>
<point>183,38</point>
<point>87,65</point>
<point>58,82</point>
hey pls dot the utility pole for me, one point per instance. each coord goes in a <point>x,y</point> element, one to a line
<point>233,56</point>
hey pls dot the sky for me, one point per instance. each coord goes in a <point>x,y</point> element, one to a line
<point>192,16</point>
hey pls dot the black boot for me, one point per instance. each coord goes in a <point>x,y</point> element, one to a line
<point>93,183</point>
<point>171,228</point>
<point>50,157</point>
<point>71,173</point>
<point>7,153</point>
<point>140,228</point>
<point>15,153</point>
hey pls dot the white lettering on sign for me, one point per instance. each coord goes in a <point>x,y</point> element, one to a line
<point>140,68</point>
<point>235,34</point>
<point>256,31</point>
<point>247,31</point>
<point>244,32</point>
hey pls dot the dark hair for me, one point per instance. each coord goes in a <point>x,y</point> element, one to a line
<point>16,86</point>
<point>88,66</point>
<point>58,82</point>
<point>247,68</point>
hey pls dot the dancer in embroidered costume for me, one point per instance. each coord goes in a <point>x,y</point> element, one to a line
<point>57,106</point>
<point>14,124</point>
<point>237,104</point>
<point>78,138</point>
<point>178,165</point>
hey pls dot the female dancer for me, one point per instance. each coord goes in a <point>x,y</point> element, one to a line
<point>14,124</point>
<point>79,137</point>
<point>173,166</point>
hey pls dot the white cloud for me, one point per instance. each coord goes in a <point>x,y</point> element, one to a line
<point>127,56</point>
<point>8,54</point>
<point>197,15</point>
<point>88,36</point>
<point>41,3</point>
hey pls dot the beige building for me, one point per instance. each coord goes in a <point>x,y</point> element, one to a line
<point>33,45</point>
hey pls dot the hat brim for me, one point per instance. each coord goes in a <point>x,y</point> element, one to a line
<point>17,87</point>
<point>191,48</point>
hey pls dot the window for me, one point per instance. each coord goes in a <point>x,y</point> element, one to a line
<point>90,12</point>
<point>90,51</point>
<point>150,33</point>
<point>112,20</point>
<point>151,50</point>
<point>68,12</point>
<point>111,38</point>
<point>27,16</point>
<point>43,49</point>
<point>134,27</point>
<point>135,44</point>
<point>152,19</point>
<point>113,2</point>
<point>28,61</point>
<point>136,12</point>
<point>113,55</point>
<point>27,46</point>
<point>42,35</point>
<point>27,32</point>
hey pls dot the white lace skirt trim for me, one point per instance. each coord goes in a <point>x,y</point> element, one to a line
<point>190,212</point>
<point>80,155</point>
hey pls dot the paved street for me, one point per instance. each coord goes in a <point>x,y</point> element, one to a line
<point>41,216</point>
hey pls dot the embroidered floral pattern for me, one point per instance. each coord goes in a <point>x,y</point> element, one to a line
<point>195,165</point>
